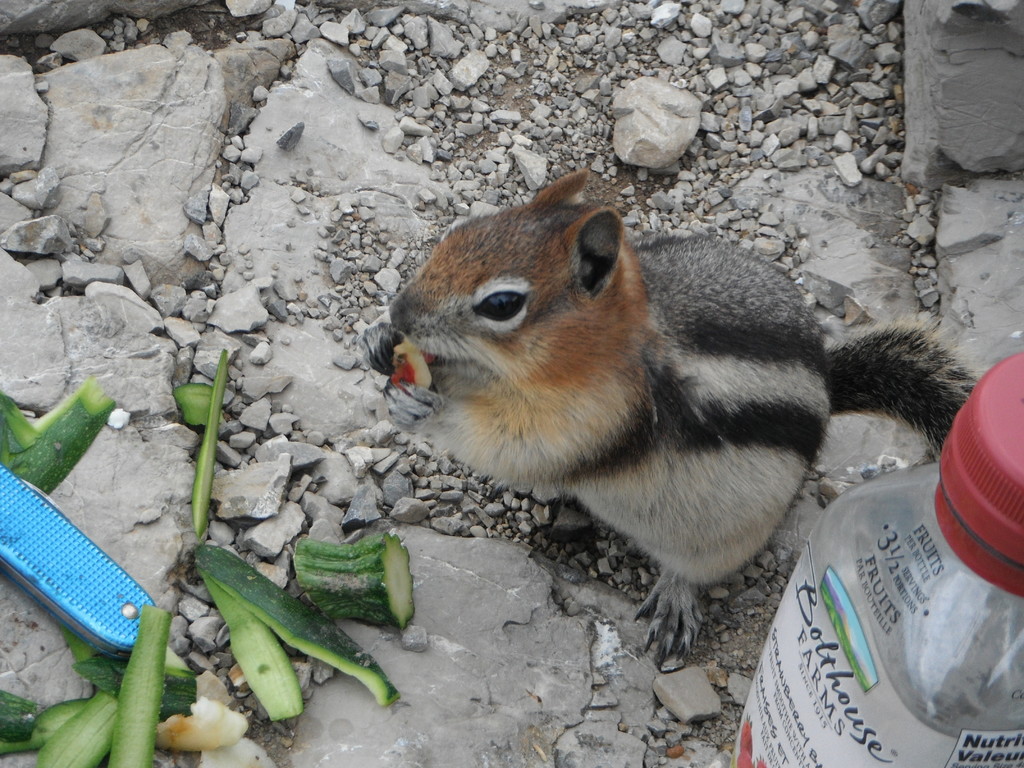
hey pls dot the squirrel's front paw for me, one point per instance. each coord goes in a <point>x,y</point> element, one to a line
<point>378,345</point>
<point>409,404</point>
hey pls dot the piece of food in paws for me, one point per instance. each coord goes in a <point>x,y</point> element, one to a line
<point>410,366</point>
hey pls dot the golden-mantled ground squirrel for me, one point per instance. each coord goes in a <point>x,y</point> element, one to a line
<point>677,388</point>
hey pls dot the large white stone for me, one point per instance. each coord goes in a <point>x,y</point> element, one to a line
<point>467,70</point>
<point>239,310</point>
<point>657,122</point>
<point>79,45</point>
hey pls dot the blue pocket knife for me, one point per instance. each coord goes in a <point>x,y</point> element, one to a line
<point>63,569</point>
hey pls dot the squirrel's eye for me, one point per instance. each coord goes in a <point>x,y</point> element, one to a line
<point>503,305</point>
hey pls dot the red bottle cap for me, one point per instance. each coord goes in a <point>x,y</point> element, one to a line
<point>980,498</point>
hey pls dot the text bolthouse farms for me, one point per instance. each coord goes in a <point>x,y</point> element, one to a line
<point>900,637</point>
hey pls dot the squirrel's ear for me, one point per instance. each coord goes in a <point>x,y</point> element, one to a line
<point>567,190</point>
<point>596,250</point>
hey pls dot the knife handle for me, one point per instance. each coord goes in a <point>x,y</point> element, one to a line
<point>62,568</point>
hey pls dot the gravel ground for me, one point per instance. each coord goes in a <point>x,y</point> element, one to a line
<point>785,86</point>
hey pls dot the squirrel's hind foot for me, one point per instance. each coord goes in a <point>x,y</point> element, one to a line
<point>675,617</point>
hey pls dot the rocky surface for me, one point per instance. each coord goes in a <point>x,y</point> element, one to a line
<point>964,75</point>
<point>978,245</point>
<point>45,16</point>
<point>262,179</point>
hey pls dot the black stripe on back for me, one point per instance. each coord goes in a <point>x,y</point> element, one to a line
<point>717,336</point>
<point>680,425</point>
<point>773,425</point>
<point>713,423</point>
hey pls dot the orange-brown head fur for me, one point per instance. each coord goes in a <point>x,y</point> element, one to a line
<point>570,360</point>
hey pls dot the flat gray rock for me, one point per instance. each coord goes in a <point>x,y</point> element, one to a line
<point>688,695</point>
<point>34,370</point>
<point>133,367</point>
<point>334,141</point>
<point>977,215</point>
<point>78,273</point>
<point>983,275</point>
<point>12,212</point>
<point>269,537</point>
<point>18,280</point>
<point>124,303</point>
<point>23,118</point>
<point>248,7</point>
<point>256,416</point>
<point>171,100</point>
<point>504,674</point>
<point>50,348</point>
<point>46,15</point>
<point>303,455</point>
<point>239,310</point>
<point>254,493</point>
<point>849,249</point>
<point>323,396</point>
<point>962,61</point>
<point>599,744</point>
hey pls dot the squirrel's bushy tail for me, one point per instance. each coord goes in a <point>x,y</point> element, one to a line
<point>904,371</point>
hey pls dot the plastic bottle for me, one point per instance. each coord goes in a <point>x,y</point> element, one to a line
<point>900,637</point>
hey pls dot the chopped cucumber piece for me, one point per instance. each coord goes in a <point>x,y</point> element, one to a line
<point>17,717</point>
<point>194,401</point>
<point>107,674</point>
<point>138,704</point>
<point>208,451</point>
<point>175,666</point>
<point>60,437</point>
<point>368,580</point>
<point>80,649</point>
<point>267,668</point>
<point>16,433</point>
<point>300,626</point>
<point>46,724</point>
<point>84,739</point>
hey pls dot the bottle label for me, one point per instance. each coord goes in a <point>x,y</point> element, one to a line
<point>988,748</point>
<point>820,696</point>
